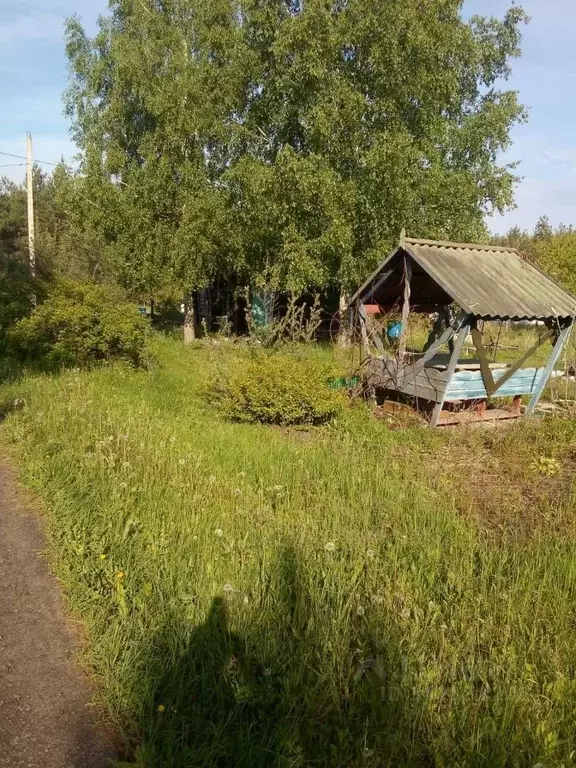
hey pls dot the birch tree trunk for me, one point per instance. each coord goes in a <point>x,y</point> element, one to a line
<point>344,331</point>
<point>189,320</point>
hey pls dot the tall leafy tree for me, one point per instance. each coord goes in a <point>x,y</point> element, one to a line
<point>289,142</point>
<point>151,97</point>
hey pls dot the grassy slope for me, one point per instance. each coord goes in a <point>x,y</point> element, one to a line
<point>226,634</point>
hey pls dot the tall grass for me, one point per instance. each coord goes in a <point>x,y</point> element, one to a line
<point>255,597</point>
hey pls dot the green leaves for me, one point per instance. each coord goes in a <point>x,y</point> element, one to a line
<point>284,145</point>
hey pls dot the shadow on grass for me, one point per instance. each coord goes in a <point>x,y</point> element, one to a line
<point>266,698</point>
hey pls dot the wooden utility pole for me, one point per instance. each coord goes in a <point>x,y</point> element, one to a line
<point>30,191</point>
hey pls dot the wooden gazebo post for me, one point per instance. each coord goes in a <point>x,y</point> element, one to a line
<point>563,337</point>
<point>406,304</point>
<point>454,357</point>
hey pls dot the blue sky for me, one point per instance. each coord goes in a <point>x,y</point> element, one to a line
<point>33,75</point>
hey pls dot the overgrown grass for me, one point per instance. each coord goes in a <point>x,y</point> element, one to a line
<point>260,597</point>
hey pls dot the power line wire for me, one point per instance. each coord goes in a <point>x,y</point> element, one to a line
<point>21,157</point>
<point>12,165</point>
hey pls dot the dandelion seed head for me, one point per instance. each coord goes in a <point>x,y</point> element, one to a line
<point>219,533</point>
<point>228,588</point>
<point>330,546</point>
<point>360,610</point>
<point>370,553</point>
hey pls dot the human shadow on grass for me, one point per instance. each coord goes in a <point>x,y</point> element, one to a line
<point>272,697</point>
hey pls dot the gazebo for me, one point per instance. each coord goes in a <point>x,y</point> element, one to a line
<point>464,284</point>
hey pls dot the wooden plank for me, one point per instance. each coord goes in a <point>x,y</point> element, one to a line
<point>431,374</point>
<point>467,364</point>
<point>423,385</point>
<point>405,308</point>
<point>470,417</point>
<point>469,385</point>
<point>422,391</point>
<point>479,393</point>
<point>459,343</point>
<point>374,333</point>
<point>444,338</point>
<point>563,337</point>
<point>489,382</point>
<point>365,344</point>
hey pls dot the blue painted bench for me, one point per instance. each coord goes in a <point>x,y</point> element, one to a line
<point>468,385</point>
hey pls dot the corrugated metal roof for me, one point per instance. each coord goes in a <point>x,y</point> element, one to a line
<point>487,281</point>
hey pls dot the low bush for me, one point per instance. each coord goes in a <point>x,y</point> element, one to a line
<point>278,389</point>
<point>80,324</point>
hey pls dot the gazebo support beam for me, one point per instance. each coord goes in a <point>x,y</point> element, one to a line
<point>369,331</point>
<point>368,294</point>
<point>563,337</point>
<point>444,338</point>
<point>405,309</point>
<point>454,357</point>
<point>490,385</point>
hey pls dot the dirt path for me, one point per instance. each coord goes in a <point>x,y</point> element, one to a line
<point>45,718</point>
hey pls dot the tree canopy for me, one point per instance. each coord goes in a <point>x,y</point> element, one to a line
<point>287,142</point>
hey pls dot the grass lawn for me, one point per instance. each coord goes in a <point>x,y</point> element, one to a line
<point>347,596</point>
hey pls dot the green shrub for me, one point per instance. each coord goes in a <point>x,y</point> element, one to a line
<point>79,324</point>
<point>278,389</point>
